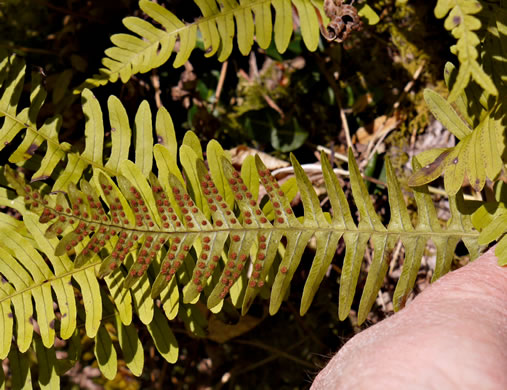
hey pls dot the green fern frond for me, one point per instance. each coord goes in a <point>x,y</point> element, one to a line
<point>478,155</point>
<point>12,71</point>
<point>462,23</point>
<point>193,232</point>
<point>148,47</point>
<point>142,227</point>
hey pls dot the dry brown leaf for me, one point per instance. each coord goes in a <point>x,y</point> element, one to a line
<point>239,153</point>
<point>380,126</point>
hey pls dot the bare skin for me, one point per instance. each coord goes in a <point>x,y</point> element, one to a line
<point>452,336</point>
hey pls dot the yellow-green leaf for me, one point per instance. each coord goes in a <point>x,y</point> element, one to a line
<point>20,370</point>
<point>46,364</point>
<point>105,354</point>
<point>120,133</point>
<point>144,138</point>
<point>131,347</point>
<point>444,112</point>
<point>163,337</point>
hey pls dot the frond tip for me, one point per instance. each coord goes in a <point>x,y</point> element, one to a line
<point>462,23</point>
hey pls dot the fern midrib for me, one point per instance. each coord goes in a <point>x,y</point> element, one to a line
<point>51,280</point>
<point>315,229</point>
<point>201,20</point>
<point>110,171</point>
<point>370,232</point>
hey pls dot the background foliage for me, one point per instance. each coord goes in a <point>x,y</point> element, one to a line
<point>277,103</point>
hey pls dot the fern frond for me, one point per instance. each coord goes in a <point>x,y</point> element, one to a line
<point>462,23</point>
<point>477,155</point>
<point>149,221</point>
<point>184,238</point>
<point>12,71</point>
<point>151,47</point>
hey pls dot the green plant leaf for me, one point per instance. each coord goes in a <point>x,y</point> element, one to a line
<point>214,154</point>
<point>461,22</point>
<point>368,221</point>
<point>415,245</point>
<point>144,138</point>
<point>105,354</point>
<point>203,231</point>
<point>283,24</point>
<point>494,229</point>
<point>163,337</point>
<point>20,369</point>
<point>62,284</point>
<point>326,241</point>
<point>501,250</point>
<point>6,319</point>
<point>131,346</point>
<point>365,11</point>
<point>48,376</point>
<point>444,112</point>
<point>120,133</point>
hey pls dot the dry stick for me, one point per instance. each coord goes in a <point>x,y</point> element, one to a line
<point>343,172</point>
<point>394,259</point>
<point>382,301</point>
<point>155,81</point>
<point>345,125</point>
<point>303,326</point>
<point>328,151</point>
<point>29,49</point>
<point>160,383</point>
<point>223,73</point>
<point>318,168</point>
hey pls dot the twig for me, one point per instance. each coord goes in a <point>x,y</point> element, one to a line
<point>318,168</point>
<point>155,81</point>
<point>345,125</point>
<point>161,378</point>
<point>266,360</point>
<point>29,49</point>
<point>303,326</point>
<point>223,73</point>
<point>309,168</point>
<point>382,302</point>
<point>330,152</point>
<point>394,259</point>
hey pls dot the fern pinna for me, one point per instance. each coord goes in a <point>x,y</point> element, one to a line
<point>163,239</point>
